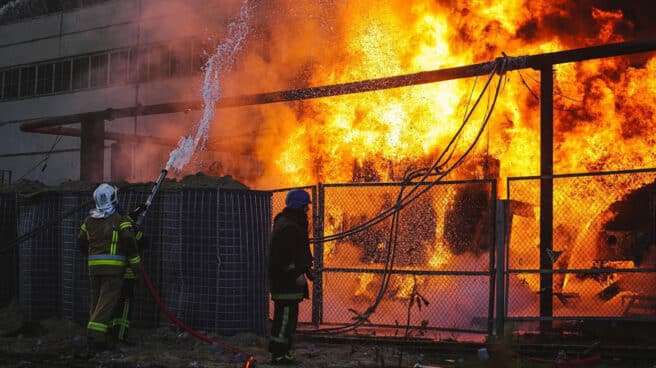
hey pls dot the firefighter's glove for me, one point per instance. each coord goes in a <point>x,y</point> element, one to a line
<point>300,280</point>
<point>137,211</point>
<point>311,273</point>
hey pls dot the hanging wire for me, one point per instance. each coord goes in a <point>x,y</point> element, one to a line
<point>404,200</point>
<point>44,160</point>
<point>424,173</point>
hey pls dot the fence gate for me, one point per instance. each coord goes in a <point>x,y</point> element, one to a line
<point>443,259</point>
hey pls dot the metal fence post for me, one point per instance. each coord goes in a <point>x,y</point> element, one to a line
<point>502,208</point>
<point>546,196</point>
<point>492,223</point>
<point>317,229</point>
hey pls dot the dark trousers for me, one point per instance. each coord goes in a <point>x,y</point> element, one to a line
<point>123,311</point>
<point>285,319</point>
<point>104,293</point>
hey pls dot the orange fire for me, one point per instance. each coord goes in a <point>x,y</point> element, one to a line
<point>603,107</point>
<point>603,112</point>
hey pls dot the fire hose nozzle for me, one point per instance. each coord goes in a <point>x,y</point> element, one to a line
<point>153,193</point>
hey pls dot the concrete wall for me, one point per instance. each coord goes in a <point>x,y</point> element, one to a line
<point>107,26</point>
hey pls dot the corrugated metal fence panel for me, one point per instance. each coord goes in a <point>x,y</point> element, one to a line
<point>9,259</point>
<point>39,257</point>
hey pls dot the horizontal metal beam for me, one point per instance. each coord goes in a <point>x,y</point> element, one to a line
<point>513,63</point>
<point>468,71</point>
<point>131,138</point>
<point>124,137</point>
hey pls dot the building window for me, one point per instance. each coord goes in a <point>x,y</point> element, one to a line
<point>81,73</point>
<point>159,62</point>
<point>12,78</point>
<point>139,64</point>
<point>148,63</point>
<point>181,59</point>
<point>118,67</point>
<point>98,70</point>
<point>44,79</point>
<point>63,76</point>
<point>27,81</point>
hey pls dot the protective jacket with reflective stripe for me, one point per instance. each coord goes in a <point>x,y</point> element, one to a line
<point>110,244</point>
<point>141,242</point>
<point>289,255</point>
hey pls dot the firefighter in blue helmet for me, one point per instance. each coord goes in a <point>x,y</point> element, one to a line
<point>290,262</point>
<point>108,240</point>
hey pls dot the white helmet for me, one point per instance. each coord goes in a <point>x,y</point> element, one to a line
<point>106,200</point>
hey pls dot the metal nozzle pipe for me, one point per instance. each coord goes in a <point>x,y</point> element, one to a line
<point>153,193</point>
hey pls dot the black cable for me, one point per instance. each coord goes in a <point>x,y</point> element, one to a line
<point>390,211</point>
<point>557,92</point>
<point>537,98</point>
<point>44,159</point>
<point>527,86</point>
<point>393,237</point>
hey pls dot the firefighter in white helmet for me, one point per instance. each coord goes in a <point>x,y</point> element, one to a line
<point>108,240</point>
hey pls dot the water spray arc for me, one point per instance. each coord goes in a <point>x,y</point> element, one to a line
<point>217,66</point>
<point>220,63</point>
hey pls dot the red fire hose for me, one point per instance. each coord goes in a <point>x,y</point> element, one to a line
<point>582,362</point>
<point>249,360</point>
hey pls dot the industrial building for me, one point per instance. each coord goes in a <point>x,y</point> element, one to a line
<point>95,90</point>
<point>77,61</point>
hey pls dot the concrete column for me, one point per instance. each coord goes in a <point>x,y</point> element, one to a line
<point>121,163</point>
<point>92,149</point>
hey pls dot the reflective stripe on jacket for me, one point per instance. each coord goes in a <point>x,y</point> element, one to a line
<point>111,244</point>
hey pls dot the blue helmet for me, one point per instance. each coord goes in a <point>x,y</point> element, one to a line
<point>297,198</point>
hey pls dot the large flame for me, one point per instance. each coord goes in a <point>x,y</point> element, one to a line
<point>604,108</point>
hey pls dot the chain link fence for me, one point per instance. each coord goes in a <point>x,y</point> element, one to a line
<point>602,259</point>
<point>442,258</point>
<point>74,269</point>
<point>208,254</point>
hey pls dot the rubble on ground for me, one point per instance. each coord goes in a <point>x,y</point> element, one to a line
<point>60,343</point>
